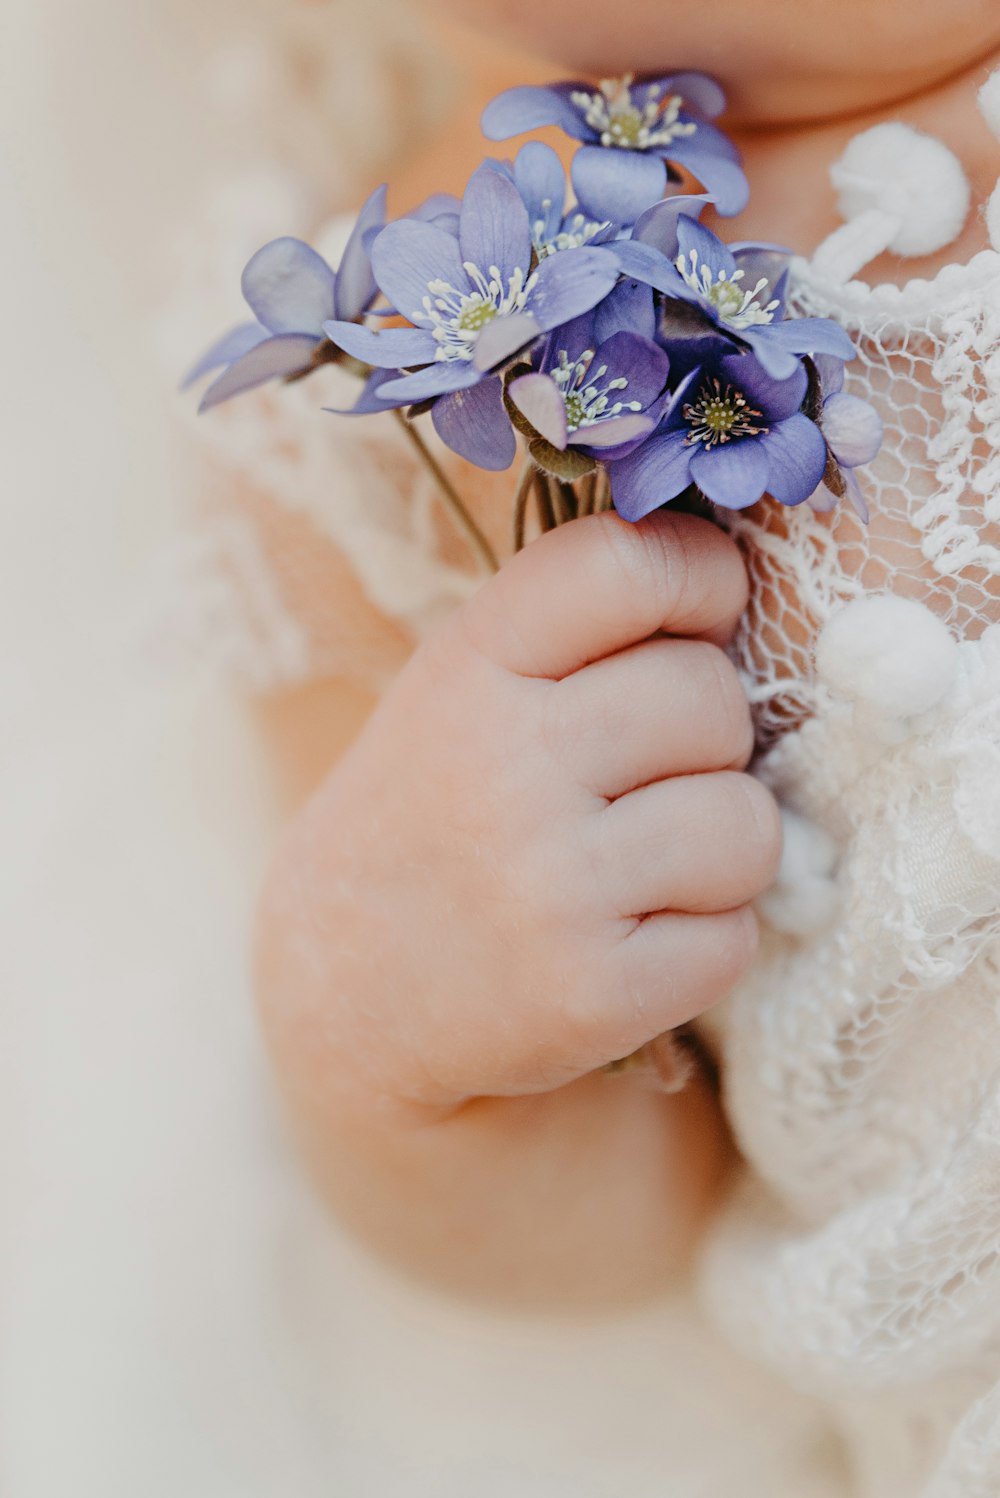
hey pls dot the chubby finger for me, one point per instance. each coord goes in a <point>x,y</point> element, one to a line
<point>599,584</point>
<point>698,843</point>
<point>665,707</point>
<point>664,970</point>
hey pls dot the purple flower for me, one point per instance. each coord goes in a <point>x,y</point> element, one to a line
<point>474,301</point>
<point>732,430</point>
<point>629,133</point>
<point>538,175</point>
<point>853,432</point>
<point>739,294</point>
<point>291,291</point>
<point>603,398</point>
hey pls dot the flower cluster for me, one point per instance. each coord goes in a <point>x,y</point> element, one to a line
<point>634,354</point>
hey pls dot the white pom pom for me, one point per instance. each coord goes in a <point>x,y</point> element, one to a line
<point>989,101</point>
<point>890,654</point>
<point>909,176</point>
<point>804,898</point>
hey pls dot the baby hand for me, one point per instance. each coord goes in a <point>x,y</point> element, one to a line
<point>539,853</point>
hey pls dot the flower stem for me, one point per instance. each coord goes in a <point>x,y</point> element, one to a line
<point>602,492</point>
<point>521,502</point>
<point>546,514</point>
<point>587,493</point>
<point>557,500</point>
<point>484,551</point>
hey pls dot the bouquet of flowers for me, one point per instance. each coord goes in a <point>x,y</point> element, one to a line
<point>631,354</point>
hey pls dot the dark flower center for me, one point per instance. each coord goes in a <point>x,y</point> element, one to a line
<point>721,413</point>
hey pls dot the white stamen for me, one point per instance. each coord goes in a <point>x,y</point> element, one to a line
<point>613,116</point>
<point>737,308</point>
<point>586,401</point>
<point>576,231</point>
<point>457,318</point>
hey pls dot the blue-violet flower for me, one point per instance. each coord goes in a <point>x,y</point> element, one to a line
<point>853,432</point>
<point>474,302</point>
<point>732,430</point>
<point>291,291</point>
<point>629,132</point>
<point>601,397</point>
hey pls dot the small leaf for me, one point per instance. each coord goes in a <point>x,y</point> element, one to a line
<point>569,465</point>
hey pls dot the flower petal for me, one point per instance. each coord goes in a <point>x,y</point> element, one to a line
<point>289,288</point>
<point>776,398</point>
<point>694,239</point>
<point>537,397</point>
<point>617,431</point>
<point>283,354</point>
<point>722,178</point>
<point>355,289</point>
<point>854,494</point>
<point>645,262</point>
<point>474,424</point>
<point>230,347</point>
<point>655,473</point>
<point>369,400</point>
<point>628,308</point>
<point>658,225</point>
<point>493,228</point>
<point>770,355</point>
<point>796,459</point>
<point>617,185</point>
<point>569,284</point>
<point>407,256</point>
<point>436,379</point>
<point>435,207</point>
<point>698,91</point>
<point>831,374</point>
<point>812,335</point>
<point>571,338</point>
<point>504,337</point>
<point>392,348</point>
<point>541,181</point>
<point>642,362</point>
<point>764,262</point>
<point>518,110</point>
<point>853,429</point>
<point>732,474</point>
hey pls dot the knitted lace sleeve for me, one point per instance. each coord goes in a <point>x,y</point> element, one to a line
<point>861,1256</point>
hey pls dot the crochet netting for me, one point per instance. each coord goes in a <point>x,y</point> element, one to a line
<point>861,1255</point>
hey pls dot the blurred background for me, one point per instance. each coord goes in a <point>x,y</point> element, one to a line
<point>177,1315</point>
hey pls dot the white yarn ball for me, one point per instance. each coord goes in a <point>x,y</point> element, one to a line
<point>908,175</point>
<point>804,898</point>
<point>889,653</point>
<point>989,101</point>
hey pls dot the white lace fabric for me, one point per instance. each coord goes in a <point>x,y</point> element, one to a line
<point>861,1255</point>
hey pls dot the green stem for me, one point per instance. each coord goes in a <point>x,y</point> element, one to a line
<point>521,502</point>
<point>449,494</point>
<point>602,492</point>
<point>557,500</point>
<point>546,514</point>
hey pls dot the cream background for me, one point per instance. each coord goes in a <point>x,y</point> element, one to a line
<point>176,1315</point>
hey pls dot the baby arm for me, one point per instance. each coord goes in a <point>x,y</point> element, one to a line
<point>536,857</point>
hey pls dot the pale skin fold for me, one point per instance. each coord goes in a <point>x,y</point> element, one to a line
<point>540,850</point>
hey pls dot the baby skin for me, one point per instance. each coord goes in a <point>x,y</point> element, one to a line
<point>540,853</point>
